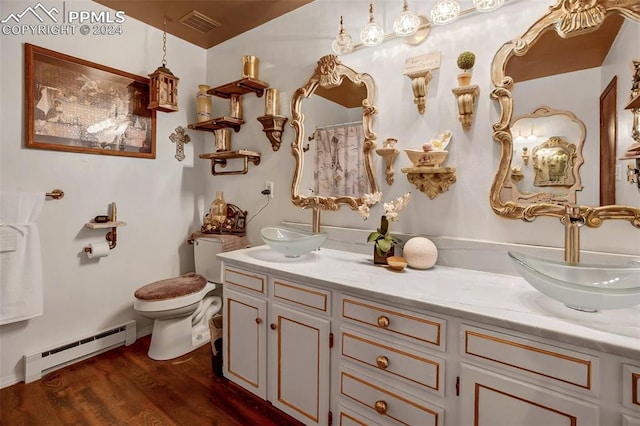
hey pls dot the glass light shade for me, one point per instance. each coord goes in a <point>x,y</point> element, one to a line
<point>487,5</point>
<point>407,23</point>
<point>342,44</point>
<point>372,34</point>
<point>445,12</point>
<point>532,138</point>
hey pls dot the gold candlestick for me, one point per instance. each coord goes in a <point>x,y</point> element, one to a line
<point>271,102</point>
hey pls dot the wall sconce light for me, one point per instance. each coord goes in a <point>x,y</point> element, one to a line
<point>343,43</point>
<point>445,12</point>
<point>272,122</point>
<point>372,34</point>
<point>407,23</point>
<point>163,85</point>
<point>412,27</point>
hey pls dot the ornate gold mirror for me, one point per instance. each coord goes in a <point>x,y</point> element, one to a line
<point>547,156</point>
<point>336,137</point>
<point>533,70</point>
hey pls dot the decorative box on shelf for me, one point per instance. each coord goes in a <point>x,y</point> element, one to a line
<point>235,223</point>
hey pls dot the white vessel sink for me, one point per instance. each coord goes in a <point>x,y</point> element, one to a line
<point>290,242</point>
<point>586,287</point>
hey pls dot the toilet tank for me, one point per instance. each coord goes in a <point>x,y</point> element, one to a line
<point>204,253</point>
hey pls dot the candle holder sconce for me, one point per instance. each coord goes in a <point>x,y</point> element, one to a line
<point>273,126</point>
<point>272,122</point>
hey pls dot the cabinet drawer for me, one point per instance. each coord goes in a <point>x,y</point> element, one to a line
<point>245,279</point>
<point>406,364</point>
<point>396,322</point>
<point>534,359</point>
<point>631,386</point>
<point>308,297</point>
<point>386,404</point>
<point>348,417</point>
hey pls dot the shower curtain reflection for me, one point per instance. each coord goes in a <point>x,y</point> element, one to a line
<point>339,161</point>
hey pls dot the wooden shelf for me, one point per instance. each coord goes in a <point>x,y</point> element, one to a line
<point>95,225</point>
<point>239,87</point>
<point>220,159</point>
<point>634,102</point>
<point>218,123</point>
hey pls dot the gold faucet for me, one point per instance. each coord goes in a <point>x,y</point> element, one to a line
<point>572,221</point>
<point>316,219</point>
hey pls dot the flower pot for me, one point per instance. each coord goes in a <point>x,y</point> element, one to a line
<point>464,78</point>
<point>382,260</point>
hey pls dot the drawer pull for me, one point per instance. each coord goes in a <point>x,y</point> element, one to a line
<point>383,321</point>
<point>258,320</point>
<point>383,362</point>
<point>381,407</point>
<point>273,326</point>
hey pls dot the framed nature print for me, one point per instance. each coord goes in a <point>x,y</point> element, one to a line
<point>80,106</point>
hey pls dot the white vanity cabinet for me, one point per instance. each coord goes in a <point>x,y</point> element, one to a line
<point>277,342</point>
<point>445,347</point>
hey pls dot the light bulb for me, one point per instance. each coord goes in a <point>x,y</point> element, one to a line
<point>407,23</point>
<point>445,12</point>
<point>343,43</point>
<point>372,34</point>
<point>487,5</point>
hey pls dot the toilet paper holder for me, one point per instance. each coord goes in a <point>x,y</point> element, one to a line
<point>113,223</point>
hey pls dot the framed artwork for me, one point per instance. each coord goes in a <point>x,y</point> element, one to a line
<point>79,106</point>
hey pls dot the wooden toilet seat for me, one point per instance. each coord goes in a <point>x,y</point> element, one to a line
<point>171,288</point>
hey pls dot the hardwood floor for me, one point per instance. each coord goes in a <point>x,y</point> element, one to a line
<point>125,387</point>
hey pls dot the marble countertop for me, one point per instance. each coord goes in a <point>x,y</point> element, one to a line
<point>494,299</point>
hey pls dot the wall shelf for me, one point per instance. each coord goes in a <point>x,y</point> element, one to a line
<point>239,87</point>
<point>218,123</point>
<point>431,180</point>
<point>633,102</point>
<point>221,158</point>
<point>96,225</point>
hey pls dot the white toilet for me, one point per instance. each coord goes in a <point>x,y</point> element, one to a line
<point>182,306</point>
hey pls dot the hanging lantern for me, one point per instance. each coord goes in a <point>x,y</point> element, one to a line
<point>163,85</point>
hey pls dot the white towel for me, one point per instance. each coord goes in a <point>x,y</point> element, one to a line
<point>21,284</point>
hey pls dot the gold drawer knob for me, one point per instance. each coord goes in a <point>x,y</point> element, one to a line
<point>383,321</point>
<point>381,407</point>
<point>383,362</point>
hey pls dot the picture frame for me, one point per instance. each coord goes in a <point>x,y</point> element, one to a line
<point>76,105</point>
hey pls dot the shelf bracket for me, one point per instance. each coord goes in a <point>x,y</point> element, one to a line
<point>466,97</point>
<point>433,181</point>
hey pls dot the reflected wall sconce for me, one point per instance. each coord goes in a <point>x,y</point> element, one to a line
<point>163,85</point>
<point>272,122</point>
<point>372,34</point>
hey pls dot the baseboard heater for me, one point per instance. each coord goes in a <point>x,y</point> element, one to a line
<point>38,364</point>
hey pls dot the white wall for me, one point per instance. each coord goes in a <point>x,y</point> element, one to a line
<point>290,46</point>
<point>161,200</point>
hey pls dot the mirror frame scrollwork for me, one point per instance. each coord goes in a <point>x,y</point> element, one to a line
<point>330,73</point>
<point>569,18</point>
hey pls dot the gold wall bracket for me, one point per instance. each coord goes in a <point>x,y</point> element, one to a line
<point>633,173</point>
<point>431,180</point>
<point>420,86</point>
<point>466,97</point>
<point>273,126</point>
<point>389,156</point>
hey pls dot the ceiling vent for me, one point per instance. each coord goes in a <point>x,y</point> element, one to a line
<point>199,22</point>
